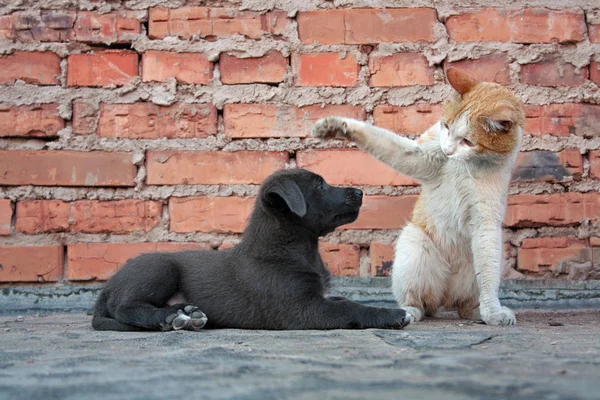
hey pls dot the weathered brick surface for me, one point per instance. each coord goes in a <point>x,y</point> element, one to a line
<point>384,212</point>
<point>210,168</point>
<point>562,119</point>
<point>41,120</point>
<point>102,68</point>
<point>63,26</point>
<point>540,254</point>
<point>350,167</point>
<point>270,68</point>
<point>525,25</point>
<point>488,69</point>
<point>548,166</point>
<point>205,22</point>
<point>402,69</point>
<point>186,68</point>
<point>364,26</point>
<point>210,214</point>
<point>561,209</point>
<point>266,120</point>
<point>341,259</point>
<point>150,121</point>
<point>66,168</point>
<point>595,70</point>
<point>408,120</point>
<point>6,212</point>
<point>90,216</point>
<point>99,261</point>
<point>325,69</point>
<point>595,164</point>
<point>31,263</point>
<point>553,73</point>
<point>42,68</point>
<point>382,258</point>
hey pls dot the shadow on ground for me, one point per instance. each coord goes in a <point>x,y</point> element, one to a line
<point>549,355</point>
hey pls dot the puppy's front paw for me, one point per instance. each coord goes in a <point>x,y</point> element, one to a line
<point>504,316</point>
<point>330,127</point>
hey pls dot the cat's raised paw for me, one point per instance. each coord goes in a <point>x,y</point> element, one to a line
<point>330,127</point>
<point>503,317</point>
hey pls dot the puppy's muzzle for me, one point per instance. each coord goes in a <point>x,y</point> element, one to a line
<point>353,197</point>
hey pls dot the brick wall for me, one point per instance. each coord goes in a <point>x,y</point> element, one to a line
<point>128,127</point>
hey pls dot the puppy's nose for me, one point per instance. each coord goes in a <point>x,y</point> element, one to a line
<point>357,193</point>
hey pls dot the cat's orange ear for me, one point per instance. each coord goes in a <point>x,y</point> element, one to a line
<point>460,81</point>
<point>500,121</point>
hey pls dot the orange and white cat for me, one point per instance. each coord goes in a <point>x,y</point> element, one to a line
<point>450,254</point>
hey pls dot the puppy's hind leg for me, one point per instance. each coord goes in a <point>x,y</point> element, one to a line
<point>419,275</point>
<point>188,317</point>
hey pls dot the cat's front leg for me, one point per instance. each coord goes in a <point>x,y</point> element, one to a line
<point>487,259</point>
<point>421,162</point>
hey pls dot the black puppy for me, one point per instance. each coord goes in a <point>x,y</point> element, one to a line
<point>273,279</point>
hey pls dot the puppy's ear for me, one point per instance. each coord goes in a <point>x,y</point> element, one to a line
<point>290,193</point>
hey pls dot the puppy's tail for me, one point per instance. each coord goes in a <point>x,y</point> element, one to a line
<point>102,320</point>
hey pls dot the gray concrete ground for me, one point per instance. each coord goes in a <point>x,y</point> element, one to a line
<point>548,355</point>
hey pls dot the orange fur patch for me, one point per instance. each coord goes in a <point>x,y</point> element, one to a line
<point>485,100</point>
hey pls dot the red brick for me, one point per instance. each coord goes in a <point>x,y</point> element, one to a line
<point>350,167</point>
<point>402,69</point>
<point>270,68</point>
<point>212,168</point>
<point>266,120</point>
<point>595,164</point>
<point>187,68</point>
<point>85,117</point>
<point>99,261</point>
<point>595,241</point>
<point>562,119</point>
<point>382,258</point>
<point>187,22</point>
<point>6,212</point>
<point>548,166</point>
<point>561,209</point>
<point>553,73</point>
<point>63,26</point>
<point>487,69</point>
<point>521,26</point>
<point>40,120</point>
<point>38,26</point>
<point>595,71</point>
<point>364,26</point>
<point>210,214</point>
<point>102,68</point>
<point>540,254</point>
<point>89,216</point>
<point>407,120</point>
<point>42,68</point>
<point>66,168</point>
<point>340,259</point>
<point>594,32</point>
<point>150,121</point>
<point>325,69</point>
<point>31,263</point>
<point>106,28</point>
<point>384,212</point>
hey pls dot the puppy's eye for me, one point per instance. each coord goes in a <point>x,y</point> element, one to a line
<point>322,185</point>
<point>467,142</point>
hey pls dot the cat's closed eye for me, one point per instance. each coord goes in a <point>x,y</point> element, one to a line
<point>444,125</point>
